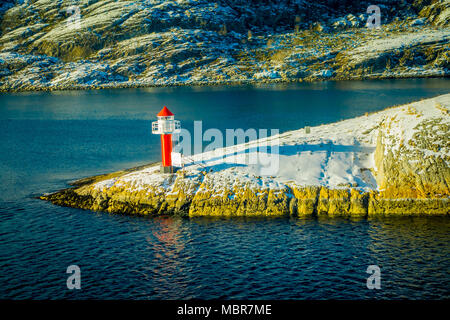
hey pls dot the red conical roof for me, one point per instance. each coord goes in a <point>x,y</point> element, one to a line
<point>165,112</point>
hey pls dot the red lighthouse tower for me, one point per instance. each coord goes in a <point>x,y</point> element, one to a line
<point>166,126</point>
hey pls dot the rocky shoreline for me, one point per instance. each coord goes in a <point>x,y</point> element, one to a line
<point>399,159</point>
<point>73,87</point>
<point>313,201</point>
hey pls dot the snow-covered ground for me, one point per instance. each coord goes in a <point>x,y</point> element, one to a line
<point>124,43</point>
<point>375,48</point>
<point>335,156</point>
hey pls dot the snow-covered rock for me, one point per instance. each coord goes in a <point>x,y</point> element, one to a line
<point>418,22</point>
<point>391,162</point>
<point>165,42</point>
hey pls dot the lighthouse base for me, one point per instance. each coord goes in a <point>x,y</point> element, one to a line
<point>164,169</point>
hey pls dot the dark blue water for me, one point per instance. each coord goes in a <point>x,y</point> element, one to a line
<point>47,139</point>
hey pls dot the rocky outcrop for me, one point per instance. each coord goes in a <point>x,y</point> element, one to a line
<point>411,156</point>
<point>437,12</point>
<point>414,172</point>
<point>157,43</point>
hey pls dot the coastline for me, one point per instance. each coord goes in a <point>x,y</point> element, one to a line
<point>316,201</point>
<point>221,83</point>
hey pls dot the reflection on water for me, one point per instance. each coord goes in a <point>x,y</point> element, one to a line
<point>167,244</point>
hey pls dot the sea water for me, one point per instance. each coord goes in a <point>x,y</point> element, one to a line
<point>50,138</point>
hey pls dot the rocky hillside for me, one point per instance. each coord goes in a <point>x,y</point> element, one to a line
<point>391,162</point>
<point>121,43</point>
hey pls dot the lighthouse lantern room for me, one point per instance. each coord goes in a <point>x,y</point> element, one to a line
<point>166,126</point>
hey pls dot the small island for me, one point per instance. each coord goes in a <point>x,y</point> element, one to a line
<point>393,162</point>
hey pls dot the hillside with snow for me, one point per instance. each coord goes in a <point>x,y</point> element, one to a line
<point>391,162</point>
<point>52,45</point>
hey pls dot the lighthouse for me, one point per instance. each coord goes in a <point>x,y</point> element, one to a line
<point>166,126</point>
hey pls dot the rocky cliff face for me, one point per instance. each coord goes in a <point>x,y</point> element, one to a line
<point>413,169</point>
<point>50,45</point>
<point>391,162</point>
